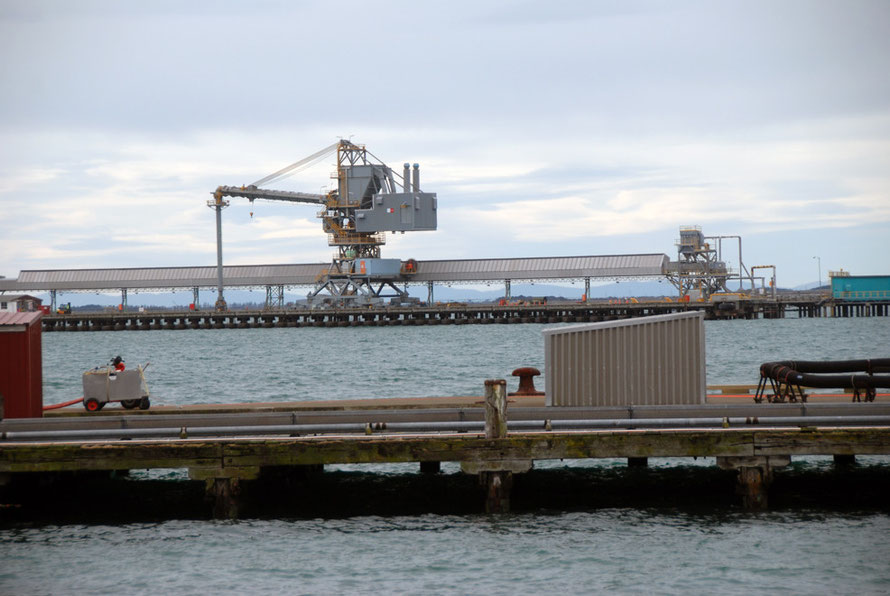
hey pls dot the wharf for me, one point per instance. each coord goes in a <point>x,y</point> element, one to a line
<point>458,314</point>
<point>232,448</point>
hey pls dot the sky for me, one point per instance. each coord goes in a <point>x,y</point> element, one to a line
<point>546,129</point>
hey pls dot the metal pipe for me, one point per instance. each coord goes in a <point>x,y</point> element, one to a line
<point>219,255</point>
<point>433,427</point>
<point>289,419</point>
<point>406,178</point>
<point>721,422</point>
<point>416,178</point>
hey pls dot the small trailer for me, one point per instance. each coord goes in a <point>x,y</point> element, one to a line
<point>104,384</point>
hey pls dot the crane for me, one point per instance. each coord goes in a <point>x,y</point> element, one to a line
<point>367,203</point>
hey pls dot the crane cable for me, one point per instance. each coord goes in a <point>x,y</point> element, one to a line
<point>297,166</point>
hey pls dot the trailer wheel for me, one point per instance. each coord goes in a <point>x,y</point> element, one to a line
<point>92,405</point>
<point>130,403</point>
<point>144,404</point>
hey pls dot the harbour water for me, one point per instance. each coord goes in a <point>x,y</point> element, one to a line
<point>808,543</point>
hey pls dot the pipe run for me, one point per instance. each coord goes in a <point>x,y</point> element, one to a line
<point>369,428</point>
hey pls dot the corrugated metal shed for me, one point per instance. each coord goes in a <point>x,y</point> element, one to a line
<point>21,364</point>
<point>469,270</point>
<point>656,360</point>
<point>8,319</point>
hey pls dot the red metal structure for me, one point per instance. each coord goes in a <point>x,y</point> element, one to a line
<point>21,364</point>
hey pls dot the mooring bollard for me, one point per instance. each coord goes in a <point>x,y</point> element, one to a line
<point>527,376</point>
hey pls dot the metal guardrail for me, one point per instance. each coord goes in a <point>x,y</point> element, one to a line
<point>183,427</point>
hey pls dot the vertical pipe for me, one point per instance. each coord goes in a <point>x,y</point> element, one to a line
<point>220,301</point>
<point>416,178</point>
<point>406,178</point>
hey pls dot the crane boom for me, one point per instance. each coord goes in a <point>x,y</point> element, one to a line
<point>252,193</point>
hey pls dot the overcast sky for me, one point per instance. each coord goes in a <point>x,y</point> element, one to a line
<point>546,128</point>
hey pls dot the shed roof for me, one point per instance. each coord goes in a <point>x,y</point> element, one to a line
<point>19,318</point>
<point>17,297</point>
<point>464,270</point>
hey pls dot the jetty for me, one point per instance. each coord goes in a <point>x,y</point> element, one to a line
<point>493,437</point>
<point>455,314</point>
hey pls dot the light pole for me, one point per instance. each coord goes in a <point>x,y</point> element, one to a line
<point>819,261</point>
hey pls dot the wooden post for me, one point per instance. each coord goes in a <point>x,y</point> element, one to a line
<point>495,409</point>
<point>497,484</point>
<point>224,494</point>
<point>497,493</point>
<point>223,488</point>
<point>755,476</point>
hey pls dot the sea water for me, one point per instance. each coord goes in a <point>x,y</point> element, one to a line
<point>614,545</point>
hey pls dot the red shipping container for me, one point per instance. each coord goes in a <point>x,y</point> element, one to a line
<point>21,364</point>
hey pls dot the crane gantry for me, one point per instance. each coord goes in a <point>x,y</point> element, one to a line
<point>367,203</point>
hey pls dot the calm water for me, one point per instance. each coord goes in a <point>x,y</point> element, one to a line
<point>710,548</point>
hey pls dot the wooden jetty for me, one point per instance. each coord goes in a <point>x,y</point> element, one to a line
<point>458,314</point>
<point>228,451</point>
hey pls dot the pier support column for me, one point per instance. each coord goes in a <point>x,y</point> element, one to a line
<point>497,490</point>
<point>496,476</point>
<point>844,460</point>
<point>223,488</point>
<point>637,462</point>
<point>755,476</point>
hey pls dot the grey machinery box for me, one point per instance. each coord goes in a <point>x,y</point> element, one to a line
<point>105,385</point>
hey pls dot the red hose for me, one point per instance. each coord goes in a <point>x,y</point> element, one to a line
<point>63,404</point>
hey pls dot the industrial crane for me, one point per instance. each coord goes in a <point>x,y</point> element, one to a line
<point>366,204</point>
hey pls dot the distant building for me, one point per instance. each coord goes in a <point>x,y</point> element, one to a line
<point>859,287</point>
<point>19,303</point>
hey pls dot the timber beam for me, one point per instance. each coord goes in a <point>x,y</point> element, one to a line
<point>221,454</point>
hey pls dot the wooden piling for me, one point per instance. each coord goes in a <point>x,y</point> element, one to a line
<point>755,474</point>
<point>497,483</point>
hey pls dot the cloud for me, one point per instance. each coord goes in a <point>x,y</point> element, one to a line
<point>567,128</point>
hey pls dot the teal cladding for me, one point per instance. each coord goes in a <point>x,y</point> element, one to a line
<point>861,287</point>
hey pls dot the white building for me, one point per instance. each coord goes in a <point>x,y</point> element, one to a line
<point>19,303</point>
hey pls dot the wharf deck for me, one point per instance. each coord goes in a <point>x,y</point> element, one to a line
<point>454,314</point>
<point>224,449</point>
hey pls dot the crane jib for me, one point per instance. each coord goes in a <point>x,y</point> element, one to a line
<point>253,193</point>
